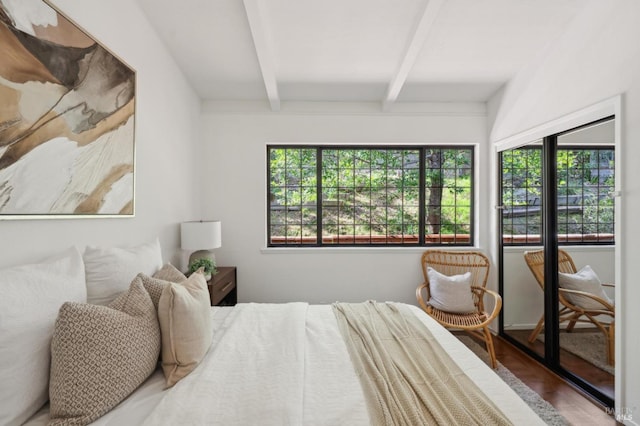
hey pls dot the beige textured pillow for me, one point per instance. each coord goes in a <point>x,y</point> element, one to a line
<point>168,272</point>
<point>100,354</point>
<point>184,313</point>
<point>155,284</point>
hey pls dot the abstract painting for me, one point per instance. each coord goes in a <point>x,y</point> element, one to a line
<point>67,110</point>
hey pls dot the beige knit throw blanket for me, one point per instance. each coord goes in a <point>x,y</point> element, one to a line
<point>406,376</point>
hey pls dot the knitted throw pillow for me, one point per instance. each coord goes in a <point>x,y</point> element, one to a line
<point>100,354</point>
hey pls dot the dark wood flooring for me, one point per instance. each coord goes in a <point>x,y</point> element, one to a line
<point>572,403</point>
<point>597,377</point>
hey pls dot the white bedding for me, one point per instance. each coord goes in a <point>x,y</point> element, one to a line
<point>282,364</point>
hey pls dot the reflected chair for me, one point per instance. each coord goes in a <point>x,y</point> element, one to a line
<point>569,311</point>
<point>452,263</point>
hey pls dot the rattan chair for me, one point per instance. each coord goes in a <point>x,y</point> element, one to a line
<point>455,263</point>
<point>569,311</point>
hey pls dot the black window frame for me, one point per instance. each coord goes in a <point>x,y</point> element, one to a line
<point>450,240</point>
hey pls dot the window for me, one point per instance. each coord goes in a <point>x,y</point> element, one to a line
<point>585,182</point>
<point>522,195</point>
<point>585,195</point>
<point>364,196</point>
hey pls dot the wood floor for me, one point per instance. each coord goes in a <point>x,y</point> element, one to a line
<point>600,379</point>
<point>572,403</point>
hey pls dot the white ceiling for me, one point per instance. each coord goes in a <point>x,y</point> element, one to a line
<point>385,51</point>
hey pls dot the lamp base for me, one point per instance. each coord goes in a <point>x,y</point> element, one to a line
<point>202,254</point>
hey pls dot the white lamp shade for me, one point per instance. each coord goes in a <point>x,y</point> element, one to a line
<point>201,235</point>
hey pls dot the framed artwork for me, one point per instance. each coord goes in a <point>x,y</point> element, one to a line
<point>67,119</point>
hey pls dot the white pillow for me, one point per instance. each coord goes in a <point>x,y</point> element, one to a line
<point>584,280</point>
<point>450,293</point>
<point>31,296</point>
<point>109,271</point>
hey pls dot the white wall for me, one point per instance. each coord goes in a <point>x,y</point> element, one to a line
<point>235,150</point>
<point>599,57</point>
<point>167,127</point>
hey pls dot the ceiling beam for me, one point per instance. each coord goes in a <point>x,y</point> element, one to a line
<point>421,29</point>
<point>264,50</point>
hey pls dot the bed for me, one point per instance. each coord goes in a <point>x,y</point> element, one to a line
<point>281,372</point>
<point>267,364</point>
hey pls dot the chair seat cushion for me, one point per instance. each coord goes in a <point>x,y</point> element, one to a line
<point>584,280</point>
<point>450,293</point>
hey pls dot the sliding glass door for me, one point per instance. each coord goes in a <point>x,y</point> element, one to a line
<point>557,231</point>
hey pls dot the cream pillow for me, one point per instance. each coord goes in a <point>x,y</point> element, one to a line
<point>584,280</point>
<point>184,313</point>
<point>30,297</point>
<point>109,271</point>
<point>100,354</point>
<point>450,293</point>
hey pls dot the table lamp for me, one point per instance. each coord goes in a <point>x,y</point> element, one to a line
<point>202,236</point>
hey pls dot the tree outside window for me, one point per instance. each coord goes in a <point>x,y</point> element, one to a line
<point>370,195</point>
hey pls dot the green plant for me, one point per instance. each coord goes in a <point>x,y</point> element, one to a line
<point>208,265</point>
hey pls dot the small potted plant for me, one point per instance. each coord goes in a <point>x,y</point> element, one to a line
<point>208,265</point>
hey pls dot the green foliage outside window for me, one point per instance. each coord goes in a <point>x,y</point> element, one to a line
<point>585,181</point>
<point>369,195</point>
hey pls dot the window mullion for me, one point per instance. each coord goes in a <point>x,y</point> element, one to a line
<point>319,197</point>
<point>422,210</point>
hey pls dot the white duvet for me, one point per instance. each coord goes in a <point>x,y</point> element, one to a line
<point>283,364</point>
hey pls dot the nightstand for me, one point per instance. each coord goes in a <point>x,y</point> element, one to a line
<point>223,287</point>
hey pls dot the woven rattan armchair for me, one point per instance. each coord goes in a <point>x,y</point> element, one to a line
<point>456,263</point>
<point>569,311</point>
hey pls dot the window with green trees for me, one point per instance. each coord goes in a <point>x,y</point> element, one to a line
<point>585,183</point>
<point>364,196</point>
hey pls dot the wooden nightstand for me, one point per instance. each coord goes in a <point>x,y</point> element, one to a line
<point>223,287</point>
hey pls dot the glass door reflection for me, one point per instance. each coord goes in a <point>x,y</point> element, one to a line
<point>585,221</point>
<point>566,181</point>
<point>521,228</point>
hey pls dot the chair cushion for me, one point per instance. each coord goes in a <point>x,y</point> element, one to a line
<point>584,280</point>
<point>184,312</point>
<point>450,293</point>
<point>100,354</point>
